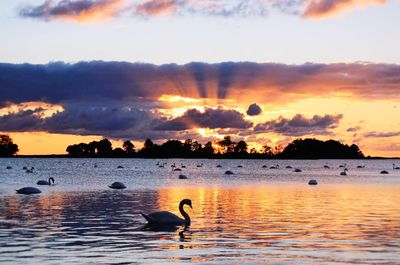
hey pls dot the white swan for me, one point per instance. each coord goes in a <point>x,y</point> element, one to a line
<point>44,182</point>
<point>168,218</point>
<point>29,190</point>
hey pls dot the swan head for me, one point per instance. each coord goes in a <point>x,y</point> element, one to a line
<point>188,202</point>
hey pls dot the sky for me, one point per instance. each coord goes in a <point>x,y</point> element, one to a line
<point>264,71</point>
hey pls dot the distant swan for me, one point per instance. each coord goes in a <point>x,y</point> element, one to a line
<point>168,218</point>
<point>297,170</point>
<point>117,186</point>
<point>384,172</point>
<point>312,182</point>
<point>228,172</point>
<point>361,166</point>
<point>326,166</point>
<point>394,167</point>
<point>183,177</point>
<point>288,167</point>
<point>29,190</point>
<point>44,182</point>
<point>344,172</point>
<point>274,167</point>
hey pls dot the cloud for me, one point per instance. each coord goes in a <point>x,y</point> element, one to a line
<point>254,110</point>
<point>210,118</point>
<point>381,134</point>
<point>326,8</point>
<point>300,125</point>
<point>267,82</point>
<point>99,10</point>
<point>353,129</point>
<point>74,10</point>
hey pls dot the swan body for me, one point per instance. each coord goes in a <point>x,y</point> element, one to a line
<point>274,167</point>
<point>117,186</point>
<point>396,168</point>
<point>288,167</point>
<point>44,182</point>
<point>29,190</point>
<point>360,166</point>
<point>9,167</point>
<point>326,166</point>
<point>182,177</point>
<point>219,166</point>
<point>120,167</point>
<point>298,170</point>
<point>312,182</point>
<point>264,166</point>
<point>168,218</point>
<point>240,166</point>
<point>177,169</point>
<point>228,172</point>
<point>344,172</point>
<point>384,172</point>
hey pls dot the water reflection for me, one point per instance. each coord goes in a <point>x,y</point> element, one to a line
<point>275,223</point>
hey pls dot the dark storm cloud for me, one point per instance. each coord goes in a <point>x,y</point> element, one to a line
<point>300,125</point>
<point>210,118</point>
<point>97,80</point>
<point>254,110</point>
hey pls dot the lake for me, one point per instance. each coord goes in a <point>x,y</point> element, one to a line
<point>255,216</point>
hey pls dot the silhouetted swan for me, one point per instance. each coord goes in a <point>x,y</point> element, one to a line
<point>44,182</point>
<point>219,166</point>
<point>29,190</point>
<point>384,172</point>
<point>326,166</point>
<point>177,169</point>
<point>201,165</point>
<point>240,166</point>
<point>344,165</point>
<point>182,177</point>
<point>264,166</point>
<point>312,182</point>
<point>360,166</point>
<point>297,170</point>
<point>344,172</point>
<point>228,172</point>
<point>274,167</point>
<point>120,167</point>
<point>394,167</point>
<point>117,186</point>
<point>288,167</point>
<point>167,218</point>
<point>9,167</point>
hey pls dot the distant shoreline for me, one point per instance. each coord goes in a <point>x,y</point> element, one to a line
<point>214,158</point>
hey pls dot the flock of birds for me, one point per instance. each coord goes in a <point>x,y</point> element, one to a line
<point>165,217</point>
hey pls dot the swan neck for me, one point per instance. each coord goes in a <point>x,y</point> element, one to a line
<point>184,214</point>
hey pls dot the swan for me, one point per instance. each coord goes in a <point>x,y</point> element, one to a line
<point>288,167</point>
<point>274,167</point>
<point>344,165</point>
<point>228,172</point>
<point>177,169</point>
<point>394,167</point>
<point>219,166</point>
<point>384,172</point>
<point>44,182</point>
<point>29,190</point>
<point>344,172</point>
<point>182,177</point>
<point>240,166</point>
<point>264,166</point>
<point>9,167</point>
<point>312,182</point>
<point>120,167</point>
<point>361,166</point>
<point>326,166</point>
<point>297,170</point>
<point>117,186</point>
<point>168,218</point>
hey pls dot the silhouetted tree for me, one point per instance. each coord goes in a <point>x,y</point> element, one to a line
<point>7,147</point>
<point>104,148</point>
<point>119,152</point>
<point>129,148</point>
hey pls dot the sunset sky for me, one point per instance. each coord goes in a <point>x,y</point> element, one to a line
<point>266,71</point>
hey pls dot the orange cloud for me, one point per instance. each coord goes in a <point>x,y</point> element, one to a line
<point>328,8</point>
<point>77,11</point>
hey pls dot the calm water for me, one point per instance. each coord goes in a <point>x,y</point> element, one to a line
<point>255,216</point>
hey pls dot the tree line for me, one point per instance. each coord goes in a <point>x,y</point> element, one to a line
<point>308,148</point>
